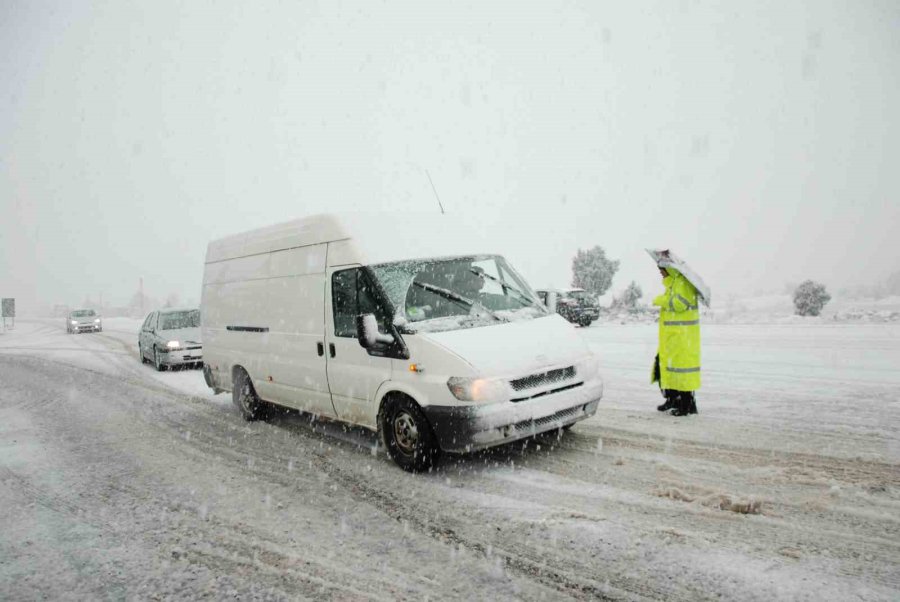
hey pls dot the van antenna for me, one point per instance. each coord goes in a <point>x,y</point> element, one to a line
<point>435,192</point>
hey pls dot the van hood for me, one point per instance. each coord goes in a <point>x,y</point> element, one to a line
<point>515,348</point>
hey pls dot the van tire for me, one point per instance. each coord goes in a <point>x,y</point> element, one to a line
<point>244,397</point>
<point>407,435</point>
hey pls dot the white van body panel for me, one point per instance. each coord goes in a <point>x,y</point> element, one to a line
<point>282,292</point>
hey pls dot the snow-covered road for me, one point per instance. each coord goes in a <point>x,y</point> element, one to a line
<point>117,481</point>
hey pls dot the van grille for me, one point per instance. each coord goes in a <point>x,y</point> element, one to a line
<point>542,378</point>
<point>526,397</point>
<point>538,424</point>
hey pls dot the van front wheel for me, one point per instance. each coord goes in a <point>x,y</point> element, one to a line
<point>244,397</point>
<point>407,435</point>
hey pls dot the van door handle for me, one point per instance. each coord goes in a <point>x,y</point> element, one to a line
<point>320,348</point>
<point>331,349</point>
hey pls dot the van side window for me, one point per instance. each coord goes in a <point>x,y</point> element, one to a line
<point>352,294</point>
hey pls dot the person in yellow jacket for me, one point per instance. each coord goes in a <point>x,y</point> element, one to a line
<point>677,364</point>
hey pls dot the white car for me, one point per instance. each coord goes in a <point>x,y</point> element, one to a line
<point>396,324</point>
<point>171,337</point>
<point>83,320</point>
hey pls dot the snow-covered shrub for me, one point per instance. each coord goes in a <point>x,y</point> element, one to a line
<point>592,271</point>
<point>810,297</point>
<point>892,284</point>
<point>629,297</point>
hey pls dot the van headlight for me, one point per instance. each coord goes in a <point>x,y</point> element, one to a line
<point>74,321</point>
<point>97,321</point>
<point>588,368</point>
<point>173,345</point>
<point>478,389</point>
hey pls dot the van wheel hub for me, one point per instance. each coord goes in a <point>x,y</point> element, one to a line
<point>406,433</point>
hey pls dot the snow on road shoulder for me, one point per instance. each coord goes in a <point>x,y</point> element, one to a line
<point>832,389</point>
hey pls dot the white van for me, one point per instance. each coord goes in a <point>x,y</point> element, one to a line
<point>399,325</point>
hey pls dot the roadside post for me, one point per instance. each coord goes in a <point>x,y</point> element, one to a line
<point>8,310</point>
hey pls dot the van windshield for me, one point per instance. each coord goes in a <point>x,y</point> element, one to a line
<point>460,292</point>
<point>83,313</point>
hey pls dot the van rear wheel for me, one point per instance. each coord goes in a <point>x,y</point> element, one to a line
<point>407,435</point>
<point>244,397</point>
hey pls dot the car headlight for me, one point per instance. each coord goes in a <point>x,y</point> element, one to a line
<point>97,321</point>
<point>588,368</point>
<point>478,389</point>
<point>173,345</point>
<point>74,321</point>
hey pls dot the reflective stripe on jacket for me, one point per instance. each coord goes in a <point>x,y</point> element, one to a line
<point>679,334</point>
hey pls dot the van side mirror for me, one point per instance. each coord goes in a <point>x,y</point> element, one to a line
<point>552,302</point>
<point>367,332</point>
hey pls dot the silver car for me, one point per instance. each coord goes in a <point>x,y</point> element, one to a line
<point>171,337</point>
<point>83,320</point>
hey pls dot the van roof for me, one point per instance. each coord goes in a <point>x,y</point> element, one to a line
<point>375,237</point>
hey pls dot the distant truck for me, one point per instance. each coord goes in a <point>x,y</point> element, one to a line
<point>400,324</point>
<point>576,305</point>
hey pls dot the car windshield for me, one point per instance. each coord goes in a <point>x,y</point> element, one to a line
<point>83,313</point>
<point>179,319</point>
<point>461,292</point>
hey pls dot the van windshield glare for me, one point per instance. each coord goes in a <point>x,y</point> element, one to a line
<point>458,292</point>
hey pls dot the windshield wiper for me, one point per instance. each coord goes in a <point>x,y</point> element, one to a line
<point>522,296</point>
<point>448,294</point>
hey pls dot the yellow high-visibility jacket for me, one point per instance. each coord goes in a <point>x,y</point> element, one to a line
<point>679,334</point>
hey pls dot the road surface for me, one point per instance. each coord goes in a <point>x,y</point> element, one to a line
<point>117,481</point>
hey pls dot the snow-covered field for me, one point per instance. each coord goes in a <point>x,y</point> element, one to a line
<point>117,481</point>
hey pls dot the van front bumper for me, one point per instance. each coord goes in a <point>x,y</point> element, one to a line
<point>474,427</point>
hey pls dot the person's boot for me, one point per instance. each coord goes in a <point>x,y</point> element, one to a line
<point>670,401</point>
<point>685,405</point>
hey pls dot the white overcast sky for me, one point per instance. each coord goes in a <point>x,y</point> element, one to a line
<point>760,140</point>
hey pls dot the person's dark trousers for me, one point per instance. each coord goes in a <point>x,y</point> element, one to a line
<point>669,394</point>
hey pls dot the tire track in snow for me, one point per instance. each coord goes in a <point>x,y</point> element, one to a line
<point>230,550</point>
